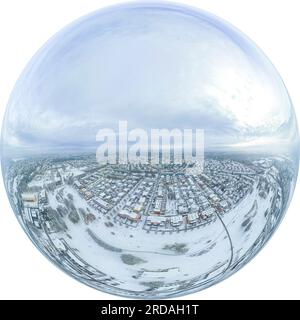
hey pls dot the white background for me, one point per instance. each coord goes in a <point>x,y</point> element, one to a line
<point>26,25</point>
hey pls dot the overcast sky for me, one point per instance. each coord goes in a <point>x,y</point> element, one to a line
<point>155,68</point>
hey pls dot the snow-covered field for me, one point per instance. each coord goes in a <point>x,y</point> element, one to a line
<point>206,251</point>
<point>134,261</point>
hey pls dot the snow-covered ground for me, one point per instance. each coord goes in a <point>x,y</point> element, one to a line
<point>151,263</point>
<point>204,249</point>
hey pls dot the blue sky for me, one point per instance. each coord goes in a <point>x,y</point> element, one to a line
<point>156,67</point>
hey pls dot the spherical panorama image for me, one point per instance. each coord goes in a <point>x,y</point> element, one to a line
<point>149,150</point>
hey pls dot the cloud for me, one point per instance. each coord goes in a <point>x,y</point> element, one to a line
<point>153,68</point>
